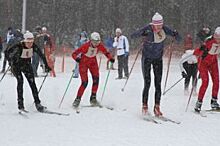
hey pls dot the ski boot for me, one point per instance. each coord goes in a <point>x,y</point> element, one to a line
<point>214,104</point>
<point>198,106</point>
<point>157,111</point>
<point>144,109</point>
<point>21,106</point>
<point>40,108</point>
<point>76,103</point>
<point>93,100</point>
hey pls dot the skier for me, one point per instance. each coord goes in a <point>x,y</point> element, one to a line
<point>188,66</point>
<point>153,43</point>
<point>19,58</point>
<point>122,46</point>
<point>204,34</point>
<point>82,39</point>
<point>208,63</point>
<point>88,61</point>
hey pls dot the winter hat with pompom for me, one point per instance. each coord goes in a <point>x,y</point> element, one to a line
<point>157,19</point>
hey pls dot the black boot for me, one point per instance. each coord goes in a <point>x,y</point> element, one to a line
<point>40,108</point>
<point>76,102</point>
<point>93,100</point>
<point>20,104</point>
<point>198,106</point>
<point>214,104</point>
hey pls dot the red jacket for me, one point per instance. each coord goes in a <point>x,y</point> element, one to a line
<point>88,51</point>
<point>210,58</point>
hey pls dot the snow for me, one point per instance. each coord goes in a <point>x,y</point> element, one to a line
<point>102,127</point>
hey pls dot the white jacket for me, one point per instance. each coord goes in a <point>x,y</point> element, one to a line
<point>189,57</point>
<point>121,44</point>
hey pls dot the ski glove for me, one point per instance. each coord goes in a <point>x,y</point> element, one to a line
<point>47,68</point>
<point>184,75</point>
<point>205,51</point>
<point>112,60</point>
<point>78,59</point>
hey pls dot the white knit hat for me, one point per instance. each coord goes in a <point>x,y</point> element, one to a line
<point>217,33</point>
<point>157,19</point>
<point>95,36</point>
<point>118,30</point>
<point>28,36</point>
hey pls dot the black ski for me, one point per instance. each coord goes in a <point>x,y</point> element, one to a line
<point>167,119</point>
<point>150,118</point>
<point>100,106</point>
<point>55,113</point>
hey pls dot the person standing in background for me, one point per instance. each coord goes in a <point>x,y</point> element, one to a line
<point>122,46</point>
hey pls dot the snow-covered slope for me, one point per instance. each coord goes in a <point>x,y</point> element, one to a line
<point>102,127</point>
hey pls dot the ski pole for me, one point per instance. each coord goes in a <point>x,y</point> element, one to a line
<point>131,69</point>
<point>190,95</point>
<point>168,64</point>
<point>42,83</point>
<point>5,73</point>
<point>106,81</point>
<point>66,89</point>
<point>172,86</point>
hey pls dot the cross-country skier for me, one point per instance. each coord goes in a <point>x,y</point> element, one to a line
<point>19,57</point>
<point>188,66</point>
<point>208,64</point>
<point>88,61</point>
<point>154,36</point>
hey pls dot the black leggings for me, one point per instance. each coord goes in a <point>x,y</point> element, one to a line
<point>157,69</point>
<point>27,70</point>
<point>191,70</point>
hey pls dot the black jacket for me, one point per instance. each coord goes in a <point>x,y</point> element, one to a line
<point>19,54</point>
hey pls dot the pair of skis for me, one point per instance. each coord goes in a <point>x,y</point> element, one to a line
<point>157,120</point>
<point>24,113</point>
<point>77,109</point>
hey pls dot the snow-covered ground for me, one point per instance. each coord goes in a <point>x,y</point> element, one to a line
<point>102,127</point>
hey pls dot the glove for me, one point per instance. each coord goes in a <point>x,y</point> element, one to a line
<point>47,68</point>
<point>184,75</point>
<point>78,59</point>
<point>126,54</point>
<point>203,48</point>
<point>205,53</point>
<point>175,33</point>
<point>112,60</point>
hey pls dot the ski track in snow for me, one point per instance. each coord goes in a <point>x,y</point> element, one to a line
<point>99,126</point>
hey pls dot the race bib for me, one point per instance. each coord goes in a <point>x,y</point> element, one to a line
<point>91,52</point>
<point>215,49</point>
<point>159,37</point>
<point>27,53</point>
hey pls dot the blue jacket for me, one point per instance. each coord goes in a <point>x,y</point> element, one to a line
<point>152,49</point>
